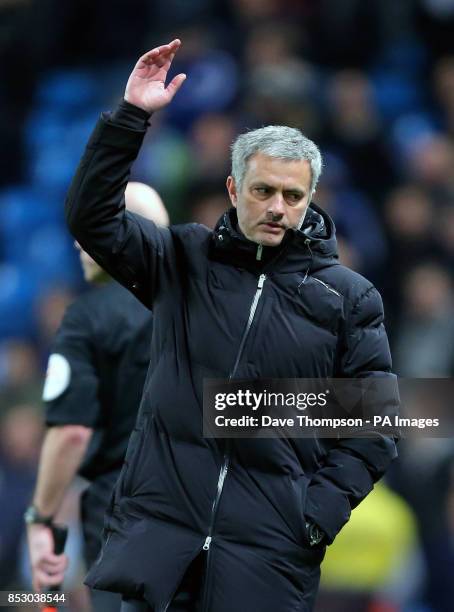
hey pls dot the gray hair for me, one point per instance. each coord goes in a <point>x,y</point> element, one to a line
<point>278,141</point>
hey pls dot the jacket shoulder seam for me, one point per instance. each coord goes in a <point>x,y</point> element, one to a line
<point>363,296</point>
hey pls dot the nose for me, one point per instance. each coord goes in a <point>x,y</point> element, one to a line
<point>277,206</point>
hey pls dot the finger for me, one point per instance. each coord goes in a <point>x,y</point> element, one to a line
<point>175,84</point>
<point>169,47</point>
<point>155,53</point>
<point>52,560</point>
<point>36,583</point>
<point>56,579</point>
<point>169,59</point>
<point>165,59</point>
<point>53,568</point>
<point>46,580</point>
<point>60,562</point>
<point>147,59</point>
<point>173,45</point>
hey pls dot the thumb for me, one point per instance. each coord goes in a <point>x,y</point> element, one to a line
<point>175,84</point>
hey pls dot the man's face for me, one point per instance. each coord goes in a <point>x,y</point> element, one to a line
<point>92,272</point>
<point>273,197</point>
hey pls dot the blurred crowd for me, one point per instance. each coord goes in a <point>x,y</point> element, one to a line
<point>373,84</point>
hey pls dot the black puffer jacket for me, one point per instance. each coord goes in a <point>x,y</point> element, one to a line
<point>314,318</point>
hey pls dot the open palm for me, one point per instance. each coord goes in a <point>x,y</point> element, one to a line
<point>146,87</point>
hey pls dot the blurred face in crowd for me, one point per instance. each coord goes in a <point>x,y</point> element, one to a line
<point>428,290</point>
<point>274,196</point>
<point>92,272</point>
<point>21,434</point>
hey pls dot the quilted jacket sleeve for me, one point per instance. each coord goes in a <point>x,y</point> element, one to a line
<point>131,249</point>
<point>353,465</point>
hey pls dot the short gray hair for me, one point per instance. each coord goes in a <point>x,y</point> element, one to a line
<point>278,141</point>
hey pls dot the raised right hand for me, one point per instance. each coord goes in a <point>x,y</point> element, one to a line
<point>146,84</point>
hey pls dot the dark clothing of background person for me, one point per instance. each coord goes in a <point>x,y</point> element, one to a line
<point>105,340</point>
<point>177,489</point>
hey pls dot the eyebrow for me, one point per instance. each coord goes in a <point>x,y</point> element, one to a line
<point>297,190</point>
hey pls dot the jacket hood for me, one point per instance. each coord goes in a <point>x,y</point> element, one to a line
<point>313,246</point>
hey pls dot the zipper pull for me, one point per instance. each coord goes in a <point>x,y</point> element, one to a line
<point>206,546</point>
<point>259,252</point>
<point>262,278</point>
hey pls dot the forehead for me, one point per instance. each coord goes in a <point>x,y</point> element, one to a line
<point>278,172</point>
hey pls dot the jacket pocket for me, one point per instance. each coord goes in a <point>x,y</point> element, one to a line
<point>299,485</point>
<point>310,556</point>
<point>135,454</point>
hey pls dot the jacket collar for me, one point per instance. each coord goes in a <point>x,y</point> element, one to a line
<point>314,245</point>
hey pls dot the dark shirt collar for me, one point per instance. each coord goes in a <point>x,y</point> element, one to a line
<point>313,244</point>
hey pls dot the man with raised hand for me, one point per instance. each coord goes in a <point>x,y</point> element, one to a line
<point>196,524</point>
<point>93,387</point>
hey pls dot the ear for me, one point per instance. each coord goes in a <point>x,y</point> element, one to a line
<point>231,188</point>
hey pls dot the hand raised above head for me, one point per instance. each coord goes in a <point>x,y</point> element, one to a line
<point>146,87</point>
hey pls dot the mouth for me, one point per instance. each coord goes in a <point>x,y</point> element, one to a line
<point>274,228</point>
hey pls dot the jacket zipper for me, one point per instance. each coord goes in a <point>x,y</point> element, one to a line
<point>221,478</point>
<point>207,544</point>
<point>225,464</point>
<point>252,310</point>
<point>169,601</point>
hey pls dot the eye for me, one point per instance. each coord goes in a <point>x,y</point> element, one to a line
<point>261,190</point>
<point>294,197</point>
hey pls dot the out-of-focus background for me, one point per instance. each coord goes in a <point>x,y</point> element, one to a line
<point>373,84</point>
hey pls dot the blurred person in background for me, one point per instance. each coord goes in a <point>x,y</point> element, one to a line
<point>354,131</point>
<point>413,235</point>
<point>424,477</point>
<point>436,23</point>
<point>424,342</point>
<point>431,162</point>
<point>443,78</point>
<point>447,235</point>
<point>93,386</point>
<point>358,230</point>
<point>423,347</point>
<point>18,364</point>
<point>277,82</point>
<point>21,434</point>
<point>50,310</point>
<point>211,136</point>
<point>358,578</point>
<point>172,542</point>
<point>209,203</point>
